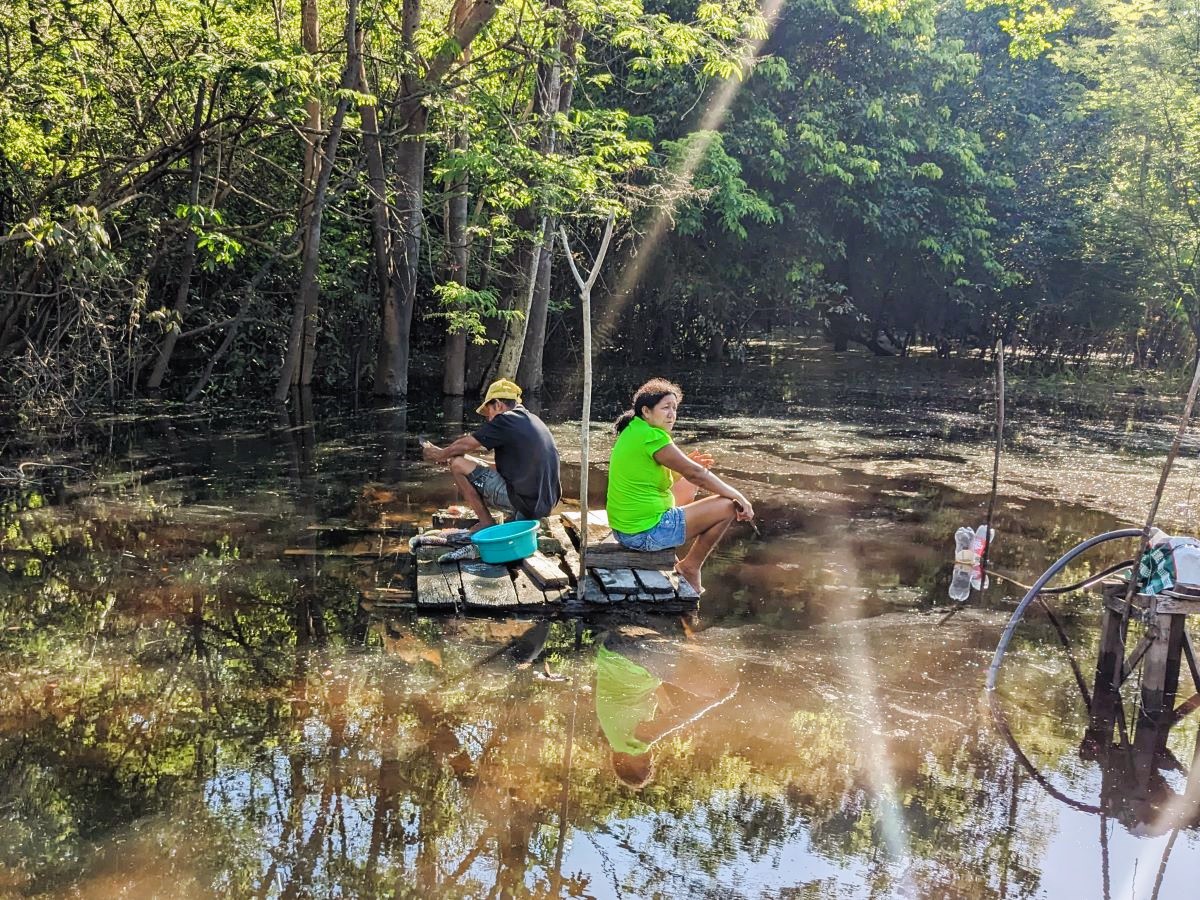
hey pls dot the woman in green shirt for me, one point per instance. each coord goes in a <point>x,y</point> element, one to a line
<point>652,485</point>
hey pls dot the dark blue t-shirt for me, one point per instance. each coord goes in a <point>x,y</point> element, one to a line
<point>526,459</point>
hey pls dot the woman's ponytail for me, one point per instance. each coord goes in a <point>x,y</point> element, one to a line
<point>623,421</point>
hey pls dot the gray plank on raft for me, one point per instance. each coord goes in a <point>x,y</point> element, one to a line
<point>438,586</point>
<point>487,586</point>
<point>528,593</point>
<point>545,573</point>
<point>617,581</point>
<point>654,582</point>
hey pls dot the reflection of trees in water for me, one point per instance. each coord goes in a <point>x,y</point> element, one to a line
<point>220,705</point>
<point>286,770</point>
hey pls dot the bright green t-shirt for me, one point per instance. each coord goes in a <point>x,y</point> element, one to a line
<point>639,489</point>
<point>624,699</point>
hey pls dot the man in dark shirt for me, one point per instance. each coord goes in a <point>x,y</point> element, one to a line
<point>525,480</point>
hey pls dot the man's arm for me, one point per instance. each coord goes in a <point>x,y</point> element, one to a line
<point>464,445</point>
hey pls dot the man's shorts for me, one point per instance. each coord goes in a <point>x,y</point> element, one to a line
<point>492,488</point>
<point>671,531</point>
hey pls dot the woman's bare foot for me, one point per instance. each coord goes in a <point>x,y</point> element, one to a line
<point>691,574</point>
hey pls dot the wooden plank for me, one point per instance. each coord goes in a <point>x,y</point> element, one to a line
<point>569,555</point>
<point>338,526</point>
<point>487,586</point>
<point>654,582</point>
<point>616,581</point>
<point>385,595</point>
<point>438,586</point>
<point>612,555</point>
<point>528,593</point>
<point>1174,607</point>
<point>591,592</point>
<point>683,588</point>
<point>545,572</point>
<point>598,527</point>
<point>1160,675</point>
<point>365,549</point>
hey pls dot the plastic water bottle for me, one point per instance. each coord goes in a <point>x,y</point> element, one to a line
<point>963,554</point>
<point>980,539</point>
<point>960,583</point>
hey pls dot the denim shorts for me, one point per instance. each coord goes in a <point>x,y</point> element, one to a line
<point>492,488</point>
<point>671,531</point>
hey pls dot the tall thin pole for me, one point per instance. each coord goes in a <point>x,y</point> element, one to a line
<point>585,298</point>
<point>987,527</point>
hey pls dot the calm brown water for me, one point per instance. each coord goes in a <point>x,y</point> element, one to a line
<point>189,710</point>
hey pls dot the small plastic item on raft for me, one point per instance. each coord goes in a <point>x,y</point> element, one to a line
<point>969,547</point>
<point>508,542</point>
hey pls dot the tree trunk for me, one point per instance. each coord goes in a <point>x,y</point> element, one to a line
<point>310,40</point>
<point>529,373</point>
<point>455,375</point>
<point>381,231</point>
<point>391,372</point>
<point>546,102</point>
<point>304,311</point>
<point>400,292</point>
<point>189,257</point>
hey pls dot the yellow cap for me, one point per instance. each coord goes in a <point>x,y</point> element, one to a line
<point>500,389</point>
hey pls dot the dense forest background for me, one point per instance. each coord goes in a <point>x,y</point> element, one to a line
<point>226,198</point>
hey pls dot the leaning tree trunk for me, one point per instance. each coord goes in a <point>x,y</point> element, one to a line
<point>529,372</point>
<point>189,255</point>
<point>305,308</point>
<point>546,103</point>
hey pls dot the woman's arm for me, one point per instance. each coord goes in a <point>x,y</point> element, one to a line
<point>672,457</point>
<point>683,490</point>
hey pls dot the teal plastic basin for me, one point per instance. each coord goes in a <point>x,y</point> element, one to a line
<point>506,543</point>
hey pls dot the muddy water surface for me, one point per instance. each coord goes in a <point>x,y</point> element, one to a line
<point>193,703</point>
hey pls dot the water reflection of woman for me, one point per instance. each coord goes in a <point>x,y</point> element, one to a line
<point>636,709</point>
<point>652,485</point>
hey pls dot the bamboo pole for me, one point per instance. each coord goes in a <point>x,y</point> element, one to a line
<point>585,298</point>
<point>987,527</point>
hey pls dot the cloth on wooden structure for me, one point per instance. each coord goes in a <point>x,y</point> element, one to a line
<point>446,537</point>
<point>470,551</point>
<point>1169,561</point>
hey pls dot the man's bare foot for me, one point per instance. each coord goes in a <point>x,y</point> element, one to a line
<point>691,574</point>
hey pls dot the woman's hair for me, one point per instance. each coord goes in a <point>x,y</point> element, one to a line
<point>649,394</point>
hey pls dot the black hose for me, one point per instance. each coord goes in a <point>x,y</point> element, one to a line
<point>1010,629</point>
<point>1091,579</point>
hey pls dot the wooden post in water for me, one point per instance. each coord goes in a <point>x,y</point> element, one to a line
<point>585,298</point>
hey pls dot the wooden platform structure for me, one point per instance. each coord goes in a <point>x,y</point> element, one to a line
<point>546,581</point>
<point>1163,648</point>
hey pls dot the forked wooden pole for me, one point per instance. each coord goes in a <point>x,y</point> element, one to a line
<point>585,298</point>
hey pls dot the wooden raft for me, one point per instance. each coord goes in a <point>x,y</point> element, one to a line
<point>544,581</point>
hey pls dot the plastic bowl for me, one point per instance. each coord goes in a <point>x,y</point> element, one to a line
<point>506,543</point>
